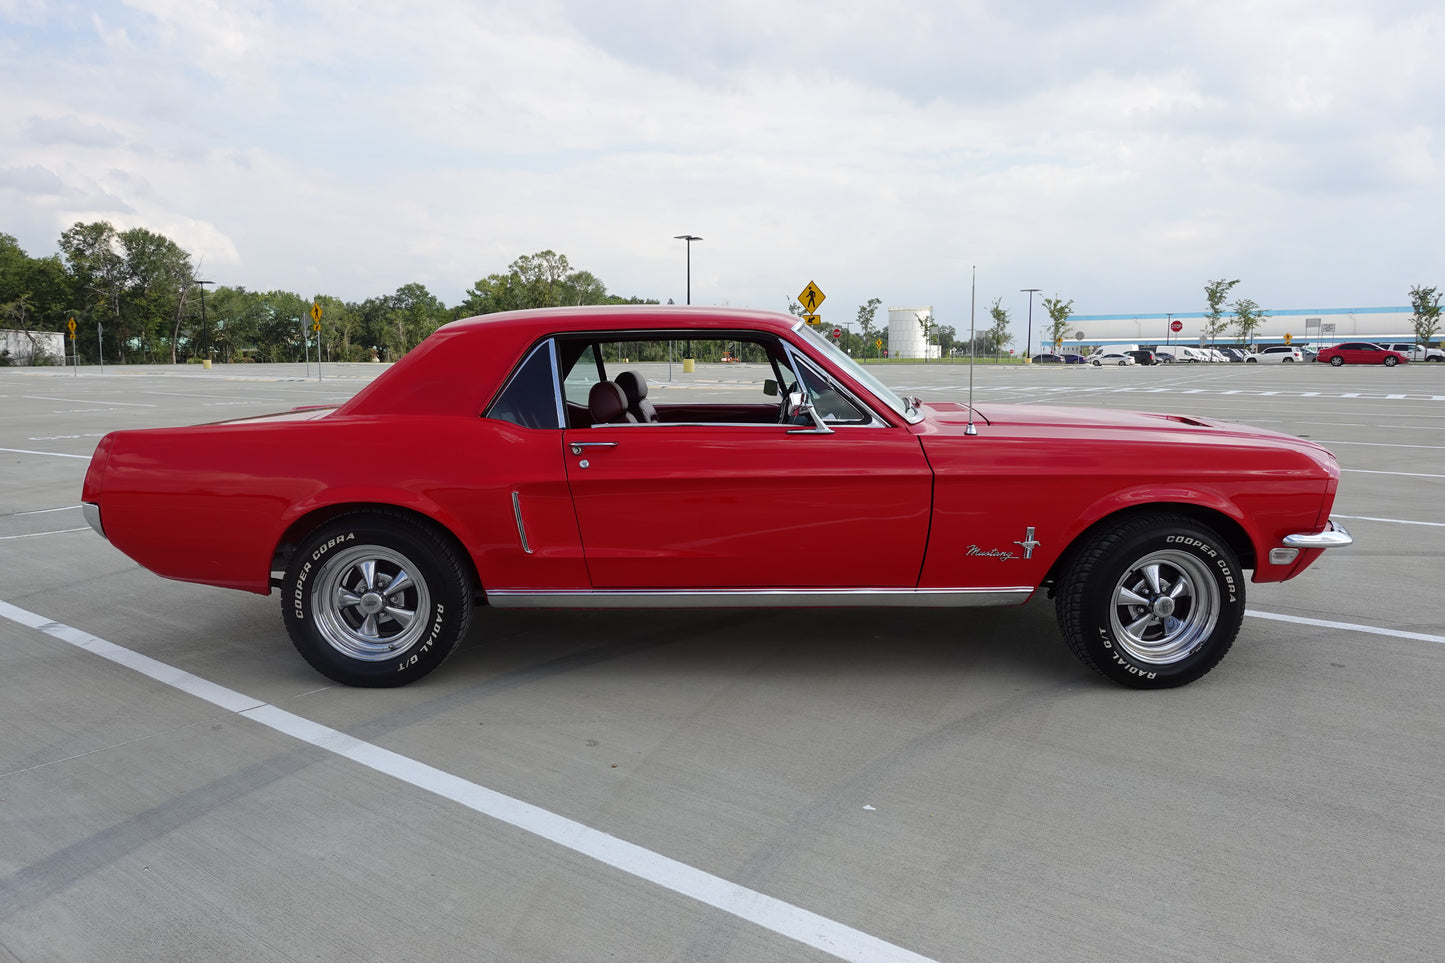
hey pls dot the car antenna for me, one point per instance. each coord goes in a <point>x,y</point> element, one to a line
<point>972,429</point>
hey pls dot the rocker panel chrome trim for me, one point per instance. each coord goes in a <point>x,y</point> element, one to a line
<point>761,598</point>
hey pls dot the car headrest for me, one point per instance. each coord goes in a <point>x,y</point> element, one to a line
<point>607,403</point>
<point>633,385</point>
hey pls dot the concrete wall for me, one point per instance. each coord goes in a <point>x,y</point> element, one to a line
<point>19,344</point>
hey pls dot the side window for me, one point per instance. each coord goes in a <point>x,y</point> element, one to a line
<point>530,398</point>
<point>581,377</point>
<point>830,402</point>
<point>678,376</point>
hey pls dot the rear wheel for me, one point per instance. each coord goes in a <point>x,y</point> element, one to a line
<point>1153,603</point>
<point>1337,361</point>
<point>375,600</point>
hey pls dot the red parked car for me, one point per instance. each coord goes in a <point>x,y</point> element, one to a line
<point>512,461</point>
<point>1361,352</point>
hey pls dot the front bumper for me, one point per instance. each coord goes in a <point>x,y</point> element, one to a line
<point>1334,536</point>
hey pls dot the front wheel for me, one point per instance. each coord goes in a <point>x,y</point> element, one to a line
<point>1391,361</point>
<point>375,600</point>
<point>1153,603</point>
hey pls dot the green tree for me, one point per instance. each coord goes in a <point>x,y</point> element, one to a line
<point>866,314</point>
<point>132,280</point>
<point>946,337</point>
<point>998,336</point>
<point>541,280</point>
<point>36,290</point>
<point>1058,311</point>
<point>1247,317</point>
<point>1425,308</point>
<point>1214,294</point>
<point>925,321</point>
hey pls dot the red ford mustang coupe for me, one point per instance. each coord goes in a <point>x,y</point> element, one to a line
<point>593,457</point>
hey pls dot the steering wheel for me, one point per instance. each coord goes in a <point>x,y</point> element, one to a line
<point>783,418</point>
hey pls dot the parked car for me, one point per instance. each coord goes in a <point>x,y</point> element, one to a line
<point>1416,352</point>
<point>1360,352</point>
<point>1111,357</point>
<point>1277,354</point>
<point>1232,354</point>
<point>509,461</point>
<point>1167,354</point>
<point>1143,356</point>
<point>1048,359</point>
<point>1075,359</point>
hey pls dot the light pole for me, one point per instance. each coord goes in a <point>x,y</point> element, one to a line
<point>205,333</point>
<point>1029,342</point>
<point>689,238</point>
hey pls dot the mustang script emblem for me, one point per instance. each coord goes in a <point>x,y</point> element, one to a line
<point>1028,545</point>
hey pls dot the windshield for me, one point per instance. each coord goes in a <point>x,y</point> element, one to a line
<point>879,390</point>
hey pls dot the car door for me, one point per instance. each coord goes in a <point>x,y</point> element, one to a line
<point>743,505</point>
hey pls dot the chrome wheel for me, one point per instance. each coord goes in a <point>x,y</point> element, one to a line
<point>370,603</point>
<point>1164,607</point>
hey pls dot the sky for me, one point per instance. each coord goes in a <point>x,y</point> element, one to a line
<point>1119,154</point>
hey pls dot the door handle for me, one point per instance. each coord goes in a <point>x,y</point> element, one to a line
<point>577,446</point>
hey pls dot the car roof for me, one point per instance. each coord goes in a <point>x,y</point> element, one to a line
<point>441,373</point>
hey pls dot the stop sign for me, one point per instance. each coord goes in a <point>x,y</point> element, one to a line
<point>837,332</point>
<point>1176,326</point>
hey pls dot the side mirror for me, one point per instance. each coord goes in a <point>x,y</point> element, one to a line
<point>801,407</point>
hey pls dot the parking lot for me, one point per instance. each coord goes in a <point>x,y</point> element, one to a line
<point>177,784</point>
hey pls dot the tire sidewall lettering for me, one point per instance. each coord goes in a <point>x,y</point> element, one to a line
<point>299,595</point>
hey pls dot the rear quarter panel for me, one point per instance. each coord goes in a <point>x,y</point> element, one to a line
<point>211,503</point>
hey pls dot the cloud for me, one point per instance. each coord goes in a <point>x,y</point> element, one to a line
<point>70,131</point>
<point>1117,153</point>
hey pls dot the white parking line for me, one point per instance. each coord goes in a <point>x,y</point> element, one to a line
<point>1407,474</point>
<point>785,919</point>
<point>1380,444</point>
<point>63,531</point>
<point>1393,521</point>
<point>1347,626</point>
<point>56,454</point>
<point>89,401</point>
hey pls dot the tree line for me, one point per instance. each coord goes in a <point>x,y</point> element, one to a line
<point>137,296</point>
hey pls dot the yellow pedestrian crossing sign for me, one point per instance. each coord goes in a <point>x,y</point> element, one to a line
<point>812,319</point>
<point>811,297</point>
<point>315,312</point>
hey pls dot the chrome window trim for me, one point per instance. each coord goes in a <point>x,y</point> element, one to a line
<point>561,410</point>
<point>797,357</point>
<point>861,376</point>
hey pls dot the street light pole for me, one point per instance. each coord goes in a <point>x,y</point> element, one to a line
<point>1029,342</point>
<point>689,238</point>
<point>205,334</point>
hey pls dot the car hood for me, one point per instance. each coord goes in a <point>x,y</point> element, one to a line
<point>1085,424</point>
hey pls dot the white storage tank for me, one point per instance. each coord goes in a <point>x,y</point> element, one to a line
<point>905,333</point>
